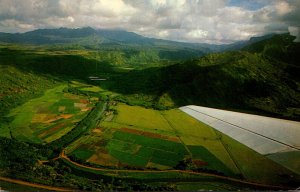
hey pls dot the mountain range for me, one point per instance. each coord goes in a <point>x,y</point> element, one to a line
<point>90,37</point>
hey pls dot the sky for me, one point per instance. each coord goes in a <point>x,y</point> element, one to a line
<point>197,21</point>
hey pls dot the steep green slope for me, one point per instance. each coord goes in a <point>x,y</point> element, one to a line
<point>281,48</point>
<point>17,86</point>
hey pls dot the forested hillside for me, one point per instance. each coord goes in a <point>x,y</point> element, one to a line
<point>256,81</point>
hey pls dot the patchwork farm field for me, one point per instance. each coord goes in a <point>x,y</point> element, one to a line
<point>48,117</point>
<point>133,137</point>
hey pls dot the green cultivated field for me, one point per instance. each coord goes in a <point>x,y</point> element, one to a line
<point>147,138</point>
<point>48,117</point>
<point>139,150</point>
<point>82,153</point>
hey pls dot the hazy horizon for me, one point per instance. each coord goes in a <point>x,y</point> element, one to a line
<point>195,21</point>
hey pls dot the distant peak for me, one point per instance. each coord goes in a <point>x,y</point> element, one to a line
<point>87,28</point>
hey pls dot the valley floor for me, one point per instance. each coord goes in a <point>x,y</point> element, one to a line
<point>137,143</point>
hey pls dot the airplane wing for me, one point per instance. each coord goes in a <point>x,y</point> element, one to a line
<point>277,139</point>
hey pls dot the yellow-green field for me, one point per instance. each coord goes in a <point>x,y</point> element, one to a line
<point>48,117</point>
<point>141,118</point>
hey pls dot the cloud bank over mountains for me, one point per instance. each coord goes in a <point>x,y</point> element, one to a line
<point>205,21</point>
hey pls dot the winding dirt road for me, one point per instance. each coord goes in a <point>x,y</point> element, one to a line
<point>64,156</point>
<point>35,185</point>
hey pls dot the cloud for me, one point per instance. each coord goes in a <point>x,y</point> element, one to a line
<point>218,21</point>
<point>198,33</point>
<point>11,25</point>
<point>295,31</point>
<point>283,8</point>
